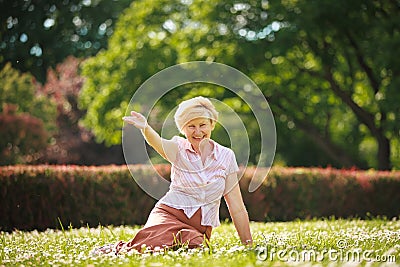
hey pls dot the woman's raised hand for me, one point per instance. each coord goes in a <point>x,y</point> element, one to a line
<point>137,119</point>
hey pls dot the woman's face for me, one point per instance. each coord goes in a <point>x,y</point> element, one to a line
<point>197,130</point>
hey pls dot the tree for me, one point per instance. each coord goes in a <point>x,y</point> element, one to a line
<point>72,143</point>
<point>320,71</point>
<point>354,59</point>
<point>36,35</point>
<point>27,118</point>
<point>330,79</point>
<point>22,91</point>
<point>108,87</point>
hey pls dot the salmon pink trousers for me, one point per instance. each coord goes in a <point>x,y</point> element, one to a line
<point>167,227</point>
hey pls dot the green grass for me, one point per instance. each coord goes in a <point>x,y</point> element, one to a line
<point>326,242</point>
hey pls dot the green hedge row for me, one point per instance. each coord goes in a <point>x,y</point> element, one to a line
<point>306,193</point>
<point>35,197</point>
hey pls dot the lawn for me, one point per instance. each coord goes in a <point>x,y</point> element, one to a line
<point>319,242</point>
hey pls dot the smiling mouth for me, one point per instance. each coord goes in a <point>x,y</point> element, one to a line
<point>199,138</point>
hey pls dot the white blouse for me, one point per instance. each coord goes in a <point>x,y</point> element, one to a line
<point>196,185</point>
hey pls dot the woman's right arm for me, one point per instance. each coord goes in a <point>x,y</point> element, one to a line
<point>166,148</point>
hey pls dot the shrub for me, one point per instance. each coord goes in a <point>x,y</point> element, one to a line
<point>34,197</point>
<point>305,193</point>
<point>27,117</point>
<point>23,136</point>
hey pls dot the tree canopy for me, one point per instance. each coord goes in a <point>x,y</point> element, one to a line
<point>329,69</point>
<point>36,35</point>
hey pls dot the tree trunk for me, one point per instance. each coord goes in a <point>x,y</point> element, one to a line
<point>333,151</point>
<point>323,142</point>
<point>383,152</point>
<point>367,119</point>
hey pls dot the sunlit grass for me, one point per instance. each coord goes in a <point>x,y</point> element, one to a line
<point>374,239</point>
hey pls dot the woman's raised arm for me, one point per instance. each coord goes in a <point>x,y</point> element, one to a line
<point>166,148</point>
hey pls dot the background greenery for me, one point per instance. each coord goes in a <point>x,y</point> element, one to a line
<point>38,197</point>
<point>330,71</point>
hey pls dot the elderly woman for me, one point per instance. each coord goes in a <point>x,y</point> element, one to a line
<point>202,172</point>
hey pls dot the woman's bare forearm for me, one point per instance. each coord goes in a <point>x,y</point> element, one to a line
<point>242,225</point>
<point>238,213</point>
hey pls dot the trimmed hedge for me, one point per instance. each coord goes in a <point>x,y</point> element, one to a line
<point>306,193</point>
<point>34,197</point>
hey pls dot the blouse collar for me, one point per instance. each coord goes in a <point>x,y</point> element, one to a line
<point>188,146</point>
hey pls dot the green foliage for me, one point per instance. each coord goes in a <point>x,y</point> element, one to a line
<point>33,197</point>
<point>27,117</point>
<point>21,90</point>
<point>329,69</point>
<point>38,35</point>
<point>346,62</point>
<point>114,75</point>
<point>328,80</point>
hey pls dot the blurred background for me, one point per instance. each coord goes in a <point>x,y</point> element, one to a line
<point>330,71</point>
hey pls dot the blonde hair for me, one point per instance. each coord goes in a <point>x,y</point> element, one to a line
<point>197,107</point>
